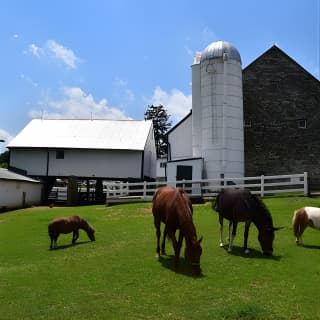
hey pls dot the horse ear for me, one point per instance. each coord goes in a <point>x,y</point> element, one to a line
<point>201,238</point>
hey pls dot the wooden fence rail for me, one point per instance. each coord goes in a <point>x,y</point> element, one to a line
<point>208,189</point>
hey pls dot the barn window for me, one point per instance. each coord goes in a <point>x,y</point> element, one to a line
<point>247,123</point>
<point>302,124</point>
<point>60,154</point>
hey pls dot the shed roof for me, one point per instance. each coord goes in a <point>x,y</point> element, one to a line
<point>84,134</point>
<point>5,174</point>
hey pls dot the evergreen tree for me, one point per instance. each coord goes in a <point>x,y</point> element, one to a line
<point>161,125</point>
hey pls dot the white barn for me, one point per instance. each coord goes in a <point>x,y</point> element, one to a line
<point>89,149</point>
<point>17,191</point>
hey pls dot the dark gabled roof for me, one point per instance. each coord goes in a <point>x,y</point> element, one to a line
<point>180,122</point>
<point>274,49</point>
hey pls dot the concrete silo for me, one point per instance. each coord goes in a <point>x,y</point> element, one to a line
<point>217,111</point>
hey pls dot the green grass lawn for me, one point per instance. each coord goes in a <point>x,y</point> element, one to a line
<point>118,276</point>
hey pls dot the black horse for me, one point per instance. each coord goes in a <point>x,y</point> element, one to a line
<point>240,205</point>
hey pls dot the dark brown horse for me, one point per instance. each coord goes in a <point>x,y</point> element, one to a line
<point>240,205</point>
<point>68,225</point>
<point>173,207</point>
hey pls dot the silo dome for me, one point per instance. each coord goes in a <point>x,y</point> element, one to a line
<point>218,48</point>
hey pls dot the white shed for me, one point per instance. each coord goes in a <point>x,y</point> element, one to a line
<point>109,149</point>
<point>17,191</point>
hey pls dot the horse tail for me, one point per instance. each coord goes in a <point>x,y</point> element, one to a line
<point>50,231</point>
<point>299,220</point>
<point>215,203</point>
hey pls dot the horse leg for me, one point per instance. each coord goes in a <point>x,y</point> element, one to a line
<point>299,235</point>
<point>180,239</point>
<point>75,236</point>
<point>246,233</point>
<point>234,232</point>
<point>230,235</point>
<point>176,248</point>
<point>55,239</point>
<point>51,242</point>
<point>158,234</point>
<point>221,230</point>
<point>163,244</point>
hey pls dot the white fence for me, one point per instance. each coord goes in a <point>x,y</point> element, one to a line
<point>207,189</point>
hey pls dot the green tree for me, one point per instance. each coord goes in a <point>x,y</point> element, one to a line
<point>4,159</point>
<point>161,124</point>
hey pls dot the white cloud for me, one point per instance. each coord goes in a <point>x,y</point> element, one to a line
<point>62,53</point>
<point>55,50</point>
<point>76,104</point>
<point>121,89</point>
<point>175,102</point>
<point>35,50</point>
<point>28,80</point>
<point>208,35</point>
<point>6,136</point>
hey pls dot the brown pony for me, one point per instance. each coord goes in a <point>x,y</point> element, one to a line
<point>240,205</point>
<point>173,207</point>
<point>303,218</point>
<point>68,225</point>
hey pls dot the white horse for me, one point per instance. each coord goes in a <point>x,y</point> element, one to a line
<point>303,218</point>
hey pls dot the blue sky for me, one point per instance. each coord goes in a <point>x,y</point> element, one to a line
<point>111,59</point>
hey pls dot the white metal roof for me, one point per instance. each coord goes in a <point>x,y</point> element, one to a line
<point>5,174</point>
<point>84,134</point>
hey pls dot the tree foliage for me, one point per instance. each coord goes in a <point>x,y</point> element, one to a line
<point>161,124</point>
<point>4,159</point>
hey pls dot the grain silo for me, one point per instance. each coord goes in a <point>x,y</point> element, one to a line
<point>217,111</point>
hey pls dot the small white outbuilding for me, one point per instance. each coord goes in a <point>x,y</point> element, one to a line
<point>18,191</point>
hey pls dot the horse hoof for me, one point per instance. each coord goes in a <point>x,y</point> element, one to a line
<point>246,251</point>
<point>221,245</point>
<point>229,249</point>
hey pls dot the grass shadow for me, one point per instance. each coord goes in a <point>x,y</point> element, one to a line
<point>66,246</point>
<point>253,253</point>
<point>310,246</point>
<point>184,266</point>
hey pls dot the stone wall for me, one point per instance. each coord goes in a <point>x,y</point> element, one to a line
<point>281,117</point>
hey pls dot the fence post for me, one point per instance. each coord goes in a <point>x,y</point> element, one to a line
<point>144,190</point>
<point>305,183</point>
<point>262,186</point>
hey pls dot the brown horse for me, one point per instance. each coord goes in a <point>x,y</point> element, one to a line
<point>173,207</point>
<point>303,218</point>
<point>239,205</point>
<point>68,225</point>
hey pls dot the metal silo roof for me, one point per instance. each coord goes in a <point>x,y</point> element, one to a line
<point>218,48</point>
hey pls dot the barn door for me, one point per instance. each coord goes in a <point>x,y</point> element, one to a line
<point>184,173</point>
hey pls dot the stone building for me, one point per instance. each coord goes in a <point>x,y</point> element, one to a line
<point>281,102</point>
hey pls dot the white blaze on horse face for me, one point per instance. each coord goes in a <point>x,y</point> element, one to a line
<point>313,215</point>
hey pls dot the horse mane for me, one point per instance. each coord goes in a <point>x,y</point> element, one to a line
<point>257,205</point>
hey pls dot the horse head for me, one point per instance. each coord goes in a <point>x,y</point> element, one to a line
<point>193,254</point>
<point>89,229</point>
<point>266,237</point>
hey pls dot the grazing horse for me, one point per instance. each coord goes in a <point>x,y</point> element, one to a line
<point>303,218</point>
<point>173,207</point>
<point>240,205</point>
<point>68,225</point>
